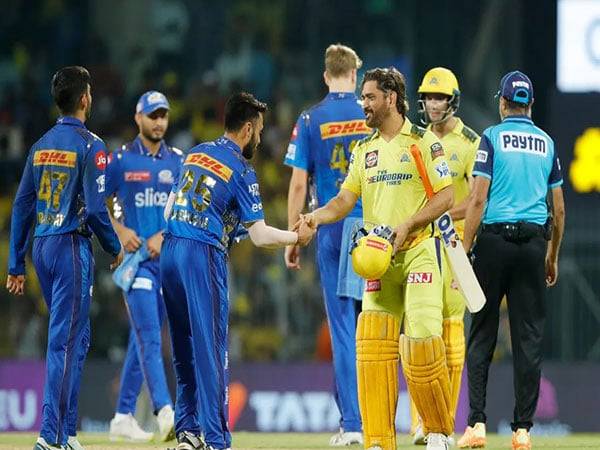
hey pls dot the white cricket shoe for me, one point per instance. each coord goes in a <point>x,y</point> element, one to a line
<point>437,441</point>
<point>419,437</point>
<point>124,427</point>
<point>73,444</point>
<point>41,444</point>
<point>345,438</point>
<point>166,423</point>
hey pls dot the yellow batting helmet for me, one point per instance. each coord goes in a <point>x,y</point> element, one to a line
<point>439,80</point>
<point>372,253</point>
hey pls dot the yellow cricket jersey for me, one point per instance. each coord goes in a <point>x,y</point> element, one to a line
<point>385,176</point>
<point>460,147</point>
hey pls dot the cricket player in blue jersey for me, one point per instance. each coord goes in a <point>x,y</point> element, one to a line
<point>320,149</point>
<point>62,190</point>
<point>140,175</point>
<point>217,191</point>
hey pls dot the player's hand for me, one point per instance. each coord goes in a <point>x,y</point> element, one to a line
<point>154,244</point>
<point>118,260</point>
<point>129,239</point>
<point>401,231</point>
<point>305,232</point>
<point>551,272</point>
<point>292,257</point>
<point>16,284</point>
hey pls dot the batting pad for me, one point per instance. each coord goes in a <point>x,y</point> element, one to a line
<point>377,372</point>
<point>454,339</point>
<point>426,373</point>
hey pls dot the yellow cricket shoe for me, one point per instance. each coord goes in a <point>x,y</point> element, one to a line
<point>474,437</point>
<point>521,440</point>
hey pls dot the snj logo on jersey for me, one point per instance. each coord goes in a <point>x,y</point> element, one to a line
<point>513,141</point>
<point>54,158</point>
<point>419,277</point>
<point>346,128</point>
<point>210,164</point>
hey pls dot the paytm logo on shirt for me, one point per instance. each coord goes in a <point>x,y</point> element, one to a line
<point>514,141</point>
<point>150,197</point>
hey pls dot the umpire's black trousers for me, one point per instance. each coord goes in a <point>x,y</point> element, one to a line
<point>515,268</point>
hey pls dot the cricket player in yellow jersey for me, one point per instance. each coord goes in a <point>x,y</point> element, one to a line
<point>383,174</point>
<point>439,98</point>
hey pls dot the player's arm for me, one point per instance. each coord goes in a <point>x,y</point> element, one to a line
<point>336,209</point>
<point>459,211</point>
<point>23,215</point>
<point>558,222</point>
<point>263,235</point>
<point>481,187</point>
<point>296,195</point>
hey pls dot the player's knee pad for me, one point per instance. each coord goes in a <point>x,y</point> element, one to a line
<point>377,375</point>
<point>454,340</point>
<point>426,373</point>
<point>414,416</point>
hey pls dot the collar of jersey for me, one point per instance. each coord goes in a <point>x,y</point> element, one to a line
<point>405,130</point>
<point>141,148</point>
<point>518,118</point>
<point>229,143</point>
<point>340,95</point>
<point>68,120</point>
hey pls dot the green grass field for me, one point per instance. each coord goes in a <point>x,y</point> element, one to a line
<point>294,441</point>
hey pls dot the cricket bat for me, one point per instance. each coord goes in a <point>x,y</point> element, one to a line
<point>459,262</point>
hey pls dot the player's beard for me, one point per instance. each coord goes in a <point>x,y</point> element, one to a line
<point>152,136</point>
<point>377,117</point>
<point>250,147</point>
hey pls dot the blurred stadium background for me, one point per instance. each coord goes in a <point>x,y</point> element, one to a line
<point>199,51</point>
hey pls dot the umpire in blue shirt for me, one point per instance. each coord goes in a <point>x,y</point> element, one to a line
<point>516,167</point>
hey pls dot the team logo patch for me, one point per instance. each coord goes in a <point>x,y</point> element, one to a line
<point>54,158</point>
<point>481,156</point>
<point>208,163</point>
<point>142,175</point>
<point>442,169</point>
<point>419,278</point>
<point>346,128</point>
<point>404,158</point>
<point>454,157</point>
<point>436,150</point>
<point>373,285</point>
<point>371,159</point>
<point>165,176</point>
<point>100,160</point>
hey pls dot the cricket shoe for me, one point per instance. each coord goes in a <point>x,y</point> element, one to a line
<point>166,423</point>
<point>41,444</point>
<point>521,440</point>
<point>190,441</point>
<point>437,441</point>
<point>474,437</point>
<point>124,427</point>
<point>419,437</point>
<point>345,438</point>
<point>73,444</point>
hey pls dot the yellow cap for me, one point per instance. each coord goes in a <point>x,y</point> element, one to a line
<point>371,257</point>
<point>439,80</point>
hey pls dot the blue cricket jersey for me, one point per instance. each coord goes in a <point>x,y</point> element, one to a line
<point>142,184</point>
<point>63,190</point>
<point>322,141</point>
<point>217,190</point>
<point>521,162</point>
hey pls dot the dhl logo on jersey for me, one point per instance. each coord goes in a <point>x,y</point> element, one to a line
<point>210,164</point>
<point>54,158</point>
<point>347,128</point>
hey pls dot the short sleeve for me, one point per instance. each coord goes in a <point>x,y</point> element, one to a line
<point>555,179</point>
<point>352,182</point>
<point>438,171</point>
<point>484,158</point>
<point>470,157</point>
<point>248,197</point>
<point>298,152</point>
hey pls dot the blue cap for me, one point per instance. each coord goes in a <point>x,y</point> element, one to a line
<point>516,87</point>
<point>150,102</point>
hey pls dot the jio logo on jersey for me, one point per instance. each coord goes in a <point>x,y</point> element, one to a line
<point>149,197</point>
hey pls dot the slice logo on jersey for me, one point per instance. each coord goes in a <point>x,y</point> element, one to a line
<point>405,158</point>
<point>481,156</point>
<point>54,158</point>
<point>442,169</point>
<point>100,159</point>
<point>166,176</point>
<point>140,175</point>
<point>373,285</point>
<point>212,165</point>
<point>454,157</point>
<point>514,141</point>
<point>149,197</point>
<point>371,159</point>
<point>419,278</point>
<point>436,150</point>
<point>346,128</point>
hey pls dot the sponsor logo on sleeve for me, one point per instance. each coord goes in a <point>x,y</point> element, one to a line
<point>345,128</point>
<point>291,152</point>
<point>294,133</point>
<point>373,285</point>
<point>442,169</point>
<point>165,176</point>
<point>253,189</point>
<point>371,159</point>
<point>419,278</point>
<point>436,150</point>
<point>100,181</point>
<point>58,158</point>
<point>208,163</point>
<point>481,156</point>
<point>140,175</point>
<point>100,159</point>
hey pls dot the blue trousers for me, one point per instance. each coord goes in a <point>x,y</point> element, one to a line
<point>194,276</point>
<point>146,309</point>
<point>65,267</point>
<point>342,314</point>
